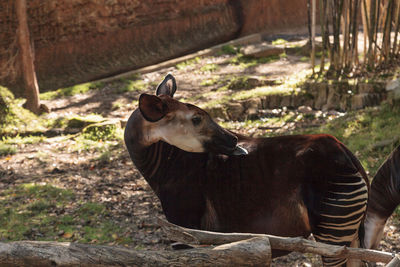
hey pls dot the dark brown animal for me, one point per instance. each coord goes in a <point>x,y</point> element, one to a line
<point>384,198</point>
<point>209,178</point>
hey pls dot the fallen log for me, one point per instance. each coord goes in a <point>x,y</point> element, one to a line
<point>252,252</point>
<point>299,244</point>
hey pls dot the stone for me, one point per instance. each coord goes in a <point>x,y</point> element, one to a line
<point>320,95</point>
<point>217,112</point>
<point>345,102</point>
<point>286,101</point>
<point>305,109</point>
<point>393,85</point>
<point>365,88</point>
<point>274,101</point>
<point>235,111</point>
<point>333,99</point>
<point>262,50</point>
<point>359,101</point>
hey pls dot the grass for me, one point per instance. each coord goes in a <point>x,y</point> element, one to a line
<point>209,67</point>
<point>289,86</point>
<point>45,212</point>
<point>6,149</point>
<point>70,91</point>
<point>187,63</point>
<point>229,50</point>
<point>279,41</point>
<point>247,62</point>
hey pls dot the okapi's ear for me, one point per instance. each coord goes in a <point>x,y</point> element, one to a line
<point>152,107</point>
<point>167,87</point>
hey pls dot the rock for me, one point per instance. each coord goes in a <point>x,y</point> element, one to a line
<point>286,101</point>
<point>252,107</point>
<point>305,109</point>
<point>359,101</point>
<point>262,50</point>
<point>393,89</point>
<point>393,85</point>
<point>345,102</point>
<point>274,101</point>
<point>320,95</point>
<point>333,100</point>
<point>217,112</point>
<point>235,111</point>
<point>365,88</point>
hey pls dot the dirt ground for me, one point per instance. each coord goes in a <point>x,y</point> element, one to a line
<point>116,183</point>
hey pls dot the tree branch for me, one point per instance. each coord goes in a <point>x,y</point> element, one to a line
<point>191,236</point>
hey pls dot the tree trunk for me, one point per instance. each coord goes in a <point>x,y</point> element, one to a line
<point>252,252</point>
<point>28,68</point>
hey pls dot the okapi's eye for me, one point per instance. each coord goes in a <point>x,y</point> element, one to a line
<point>196,120</point>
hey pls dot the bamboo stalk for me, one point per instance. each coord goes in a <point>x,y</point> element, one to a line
<point>313,18</point>
<point>322,10</point>
<point>396,26</point>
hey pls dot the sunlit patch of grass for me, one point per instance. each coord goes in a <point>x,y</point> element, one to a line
<point>18,140</point>
<point>229,50</point>
<point>209,82</point>
<point>279,41</point>
<point>14,118</point>
<point>70,91</point>
<point>125,85</point>
<point>45,212</point>
<point>7,149</point>
<point>247,62</point>
<point>209,67</point>
<point>191,62</point>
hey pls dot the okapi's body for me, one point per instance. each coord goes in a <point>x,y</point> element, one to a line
<point>384,198</point>
<point>287,186</point>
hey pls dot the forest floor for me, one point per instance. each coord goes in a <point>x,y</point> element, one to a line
<point>79,185</point>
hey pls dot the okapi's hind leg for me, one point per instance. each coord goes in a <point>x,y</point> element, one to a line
<point>341,210</point>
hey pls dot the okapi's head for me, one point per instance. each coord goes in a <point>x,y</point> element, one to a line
<point>183,125</point>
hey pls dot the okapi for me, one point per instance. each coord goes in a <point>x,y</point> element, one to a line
<point>383,199</point>
<point>212,179</point>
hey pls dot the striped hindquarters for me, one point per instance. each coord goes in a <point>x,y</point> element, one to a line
<point>341,210</point>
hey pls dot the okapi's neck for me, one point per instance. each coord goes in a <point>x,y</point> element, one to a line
<point>174,175</point>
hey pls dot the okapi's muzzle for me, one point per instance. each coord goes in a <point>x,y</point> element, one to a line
<point>224,142</point>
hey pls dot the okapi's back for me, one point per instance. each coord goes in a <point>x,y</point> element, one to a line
<point>385,187</point>
<point>384,198</point>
